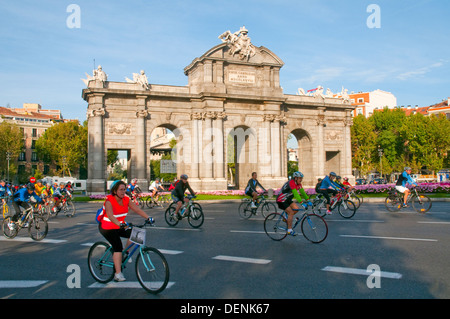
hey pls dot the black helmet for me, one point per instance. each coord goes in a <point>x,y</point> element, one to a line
<point>30,187</point>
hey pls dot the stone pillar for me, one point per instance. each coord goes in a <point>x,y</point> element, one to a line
<point>140,155</point>
<point>275,147</point>
<point>96,149</point>
<point>347,145</point>
<point>207,147</point>
<point>320,144</point>
<point>195,145</point>
<point>218,142</point>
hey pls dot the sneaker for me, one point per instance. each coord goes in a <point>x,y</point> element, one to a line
<point>329,212</point>
<point>119,277</point>
<point>253,205</point>
<point>291,232</point>
<point>12,226</point>
<point>404,205</point>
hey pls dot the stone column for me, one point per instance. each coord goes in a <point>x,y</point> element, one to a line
<point>96,150</point>
<point>218,142</point>
<point>320,144</point>
<point>275,147</point>
<point>348,145</point>
<point>195,146</point>
<point>207,149</point>
<point>140,155</point>
<point>265,148</point>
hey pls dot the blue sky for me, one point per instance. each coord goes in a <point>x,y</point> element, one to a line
<point>322,42</point>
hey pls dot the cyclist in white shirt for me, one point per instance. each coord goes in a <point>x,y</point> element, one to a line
<point>154,188</point>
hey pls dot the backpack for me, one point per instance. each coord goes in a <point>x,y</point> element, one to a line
<point>100,214</point>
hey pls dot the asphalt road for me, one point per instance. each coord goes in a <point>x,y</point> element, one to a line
<point>231,258</point>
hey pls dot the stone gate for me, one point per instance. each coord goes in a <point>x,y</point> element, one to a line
<point>233,103</point>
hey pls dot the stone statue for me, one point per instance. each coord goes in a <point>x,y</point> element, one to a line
<point>239,43</point>
<point>301,91</point>
<point>319,92</point>
<point>98,74</point>
<point>329,93</point>
<point>139,78</point>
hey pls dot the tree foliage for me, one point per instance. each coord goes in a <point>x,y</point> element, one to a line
<point>64,144</point>
<point>11,141</point>
<point>418,141</point>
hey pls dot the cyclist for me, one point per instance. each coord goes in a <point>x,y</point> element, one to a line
<point>113,226</point>
<point>405,178</point>
<point>4,190</point>
<point>178,193</point>
<point>347,184</point>
<point>58,193</point>
<point>328,186</point>
<point>250,190</point>
<point>22,197</point>
<point>131,187</point>
<point>292,189</point>
<point>154,187</point>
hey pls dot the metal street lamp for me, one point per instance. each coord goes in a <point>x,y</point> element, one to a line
<point>8,158</point>
<point>380,154</point>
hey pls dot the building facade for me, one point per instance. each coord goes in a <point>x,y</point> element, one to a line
<point>366,103</point>
<point>233,90</point>
<point>33,122</point>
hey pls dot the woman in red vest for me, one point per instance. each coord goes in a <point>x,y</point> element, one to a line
<point>113,225</point>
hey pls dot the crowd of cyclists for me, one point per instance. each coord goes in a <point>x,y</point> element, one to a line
<point>40,191</point>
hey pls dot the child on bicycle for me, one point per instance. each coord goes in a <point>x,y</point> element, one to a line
<point>113,226</point>
<point>292,189</point>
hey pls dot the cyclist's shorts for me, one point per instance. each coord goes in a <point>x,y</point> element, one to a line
<point>249,193</point>
<point>401,189</point>
<point>176,199</point>
<point>113,237</point>
<point>285,204</point>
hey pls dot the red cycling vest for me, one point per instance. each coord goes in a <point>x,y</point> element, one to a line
<point>119,211</point>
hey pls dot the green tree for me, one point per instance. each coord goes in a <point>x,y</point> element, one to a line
<point>363,144</point>
<point>65,144</point>
<point>11,141</point>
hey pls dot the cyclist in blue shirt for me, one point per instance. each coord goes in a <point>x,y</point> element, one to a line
<point>405,178</point>
<point>22,198</point>
<point>4,190</point>
<point>329,186</point>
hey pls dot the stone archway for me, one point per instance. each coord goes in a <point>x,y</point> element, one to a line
<point>225,91</point>
<point>305,155</point>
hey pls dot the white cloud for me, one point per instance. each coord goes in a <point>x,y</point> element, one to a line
<point>418,72</point>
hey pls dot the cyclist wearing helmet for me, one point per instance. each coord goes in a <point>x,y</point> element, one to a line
<point>250,190</point>
<point>22,197</point>
<point>327,187</point>
<point>405,178</point>
<point>292,189</point>
<point>178,193</point>
<point>113,226</point>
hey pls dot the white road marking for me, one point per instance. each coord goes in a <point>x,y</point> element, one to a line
<point>21,283</point>
<point>440,223</point>
<point>393,238</point>
<point>243,259</point>
<point>28,239</point>
<point>124,284</point>
<point>364,272</point>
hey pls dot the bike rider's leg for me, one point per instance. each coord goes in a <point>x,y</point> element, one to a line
<point>254,198</point>
<point>405,197</point>
<point>291,212</point>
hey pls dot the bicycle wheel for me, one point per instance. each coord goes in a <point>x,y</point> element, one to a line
<point>347,208</point>
<point>152,270</point>
<point>268,208</point>
<point>421,203</point>
<point>319,207</point>
<point>356,200</point>
<point>37,228</point>
<point>314,228</point>
<point>196,217</point>
<point>275,226</point>
<point>43,212</point>
<point>10,229</point>
<point>69,209</point>
<point>245,210</point>
<point>393,203</point>
<point>100,262</point>
<point>170,216</point>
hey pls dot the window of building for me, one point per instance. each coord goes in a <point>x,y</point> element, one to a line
<point>34,157</point>
<point>34,132</point>
<point>22,156</point>
<point>361,100</point>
